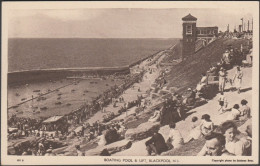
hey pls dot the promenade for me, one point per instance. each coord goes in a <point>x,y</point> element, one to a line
<point>130,94</point>
<point>211,108</point>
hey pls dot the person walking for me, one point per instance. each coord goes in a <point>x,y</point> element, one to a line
<point>222,79</point>
<point>222,102</point>
<point>238,79</point>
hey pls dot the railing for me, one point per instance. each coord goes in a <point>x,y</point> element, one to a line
<point>198,45</point>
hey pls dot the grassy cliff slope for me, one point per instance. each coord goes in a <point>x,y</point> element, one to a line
<point>187,73</point>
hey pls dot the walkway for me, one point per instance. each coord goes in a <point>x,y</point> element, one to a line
<point>131,93</point>
<point>139,148</point>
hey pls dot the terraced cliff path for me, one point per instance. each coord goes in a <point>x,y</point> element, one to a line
<point>139,148</point>
<point>187,74</point>
<point>131,93</point>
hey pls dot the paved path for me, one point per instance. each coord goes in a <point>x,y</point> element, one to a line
<point>131,93</point>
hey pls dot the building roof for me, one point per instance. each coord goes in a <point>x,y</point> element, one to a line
<point>203,28</point>
<point>52,119</point>
<point>189,17</point>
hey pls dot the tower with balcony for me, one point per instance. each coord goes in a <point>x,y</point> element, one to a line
<point>189,35</point>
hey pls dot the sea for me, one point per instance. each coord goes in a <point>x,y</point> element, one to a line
<point>49,53</point>
<point>33,54</point>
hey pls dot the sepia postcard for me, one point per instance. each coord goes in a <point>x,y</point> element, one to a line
<point>126,83</point>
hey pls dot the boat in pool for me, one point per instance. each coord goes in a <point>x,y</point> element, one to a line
<point>20,112</point>
<point>15,106</point>
<point>43,108</point>
<point>43,98</point>
<point>58,103</point>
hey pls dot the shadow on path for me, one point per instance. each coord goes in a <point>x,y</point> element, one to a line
<point>245,89</point>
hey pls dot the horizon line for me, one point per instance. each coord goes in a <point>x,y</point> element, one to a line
<point>94,37</point>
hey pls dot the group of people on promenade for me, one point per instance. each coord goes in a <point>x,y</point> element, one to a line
<point>224,139</point>
<point>34,127</point>
<point>104,131</point>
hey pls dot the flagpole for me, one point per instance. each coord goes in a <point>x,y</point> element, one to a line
<point>252,25</point>
<point>242,24</point>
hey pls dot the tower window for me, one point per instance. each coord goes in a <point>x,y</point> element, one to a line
<point>189,29</point>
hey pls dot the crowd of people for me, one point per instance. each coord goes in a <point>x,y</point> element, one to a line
<point>25,127</point>
<point>223,139</point>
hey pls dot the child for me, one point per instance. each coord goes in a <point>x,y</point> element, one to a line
<point>207,125</point>
<point>222,102</point>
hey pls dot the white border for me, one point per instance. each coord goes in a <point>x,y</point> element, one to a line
<point>91,160</point>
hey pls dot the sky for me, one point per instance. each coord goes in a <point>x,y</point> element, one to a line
<point>116,22</point>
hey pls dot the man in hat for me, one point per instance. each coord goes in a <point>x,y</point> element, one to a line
<point>222,79</point>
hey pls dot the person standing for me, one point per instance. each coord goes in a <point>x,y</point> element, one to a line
<point>222,79</point>
<point>222,102</point>
<point>238,79</point>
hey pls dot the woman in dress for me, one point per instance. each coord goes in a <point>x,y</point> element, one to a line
<point>102,139</point>
<point>195,131</point>
<point>238,79</point>
<point>175,138</point>
<point>245,111</point>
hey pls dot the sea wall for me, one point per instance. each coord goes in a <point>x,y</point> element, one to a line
<point>22,77</point>
<point>145,58</point>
